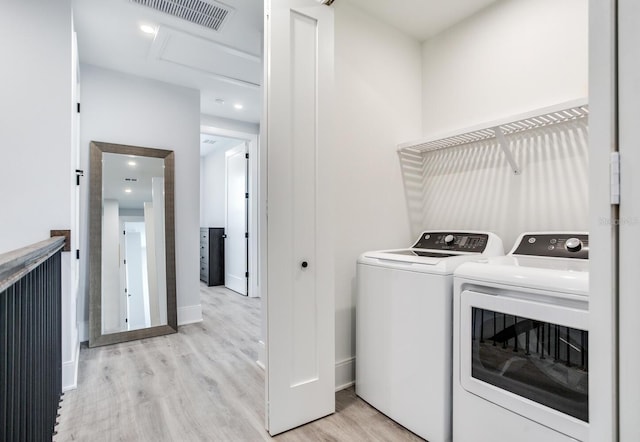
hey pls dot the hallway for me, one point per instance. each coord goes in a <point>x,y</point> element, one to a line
<point>201,384</point>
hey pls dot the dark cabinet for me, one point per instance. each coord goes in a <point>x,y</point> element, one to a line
<point>212,255</point>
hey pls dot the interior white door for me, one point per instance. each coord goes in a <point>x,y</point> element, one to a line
<point>300,298</point>
<point>134,281</point>
<point>603,231</point>
<point>235,246</point>
<point>628,39</point>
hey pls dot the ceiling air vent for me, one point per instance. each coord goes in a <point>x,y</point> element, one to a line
<point>210,14</point>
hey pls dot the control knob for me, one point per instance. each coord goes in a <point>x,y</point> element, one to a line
<point>449,239</point>
<point>573,245</point>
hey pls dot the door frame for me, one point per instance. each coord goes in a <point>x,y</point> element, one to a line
<point>254,199</point>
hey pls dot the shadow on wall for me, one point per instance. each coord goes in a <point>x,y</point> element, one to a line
<point>472,187</point>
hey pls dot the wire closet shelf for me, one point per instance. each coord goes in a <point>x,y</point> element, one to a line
<point>562,113</point>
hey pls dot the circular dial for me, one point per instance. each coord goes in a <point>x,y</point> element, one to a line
<point>449,239</point>
<point>573,245</point>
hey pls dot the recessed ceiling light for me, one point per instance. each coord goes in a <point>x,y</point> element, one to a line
<point>131,163</point>
<point>127,190</point>
<point>148,29</point>
<point>238,106</point>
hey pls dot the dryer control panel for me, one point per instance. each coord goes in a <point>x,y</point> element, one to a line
<point>555,245</point>
<point>453,241</point>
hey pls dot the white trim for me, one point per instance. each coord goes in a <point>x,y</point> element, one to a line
<point>345,373</point>
<point>70,371</point>
<point>190,314</point>
<point>83,330</point>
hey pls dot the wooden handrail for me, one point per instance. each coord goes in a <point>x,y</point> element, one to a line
<point>17,263</point>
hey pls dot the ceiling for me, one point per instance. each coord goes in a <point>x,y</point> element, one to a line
<point>127,178</point>
<point>210,143</point>
<point>225,65</point>
<point>421,19</point>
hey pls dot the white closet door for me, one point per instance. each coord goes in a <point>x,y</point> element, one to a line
<point>235,246</point>
<point>135,291</point>
<point>300,289</point>
<point>629,218</point>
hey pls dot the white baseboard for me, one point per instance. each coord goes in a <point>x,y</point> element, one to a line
<point>345,373</point>
<point>261,355</point>
<point>70,371</point>
<point>83,330</point>
<point>190,314</point>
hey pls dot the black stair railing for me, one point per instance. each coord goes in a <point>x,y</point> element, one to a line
<point>30,341</point>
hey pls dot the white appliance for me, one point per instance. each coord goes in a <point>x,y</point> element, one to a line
<point>403,327</point>
<point>520,362</point>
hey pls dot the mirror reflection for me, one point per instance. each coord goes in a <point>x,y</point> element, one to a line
<point>134,292</point>
<point>132,241</point>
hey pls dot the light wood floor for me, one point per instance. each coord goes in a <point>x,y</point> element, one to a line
<point>201,384</point>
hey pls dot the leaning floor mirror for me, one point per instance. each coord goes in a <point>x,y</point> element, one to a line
<point>132,283</point>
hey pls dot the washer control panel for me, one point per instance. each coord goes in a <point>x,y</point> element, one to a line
<point>453,241</point>
<point>558,245</point>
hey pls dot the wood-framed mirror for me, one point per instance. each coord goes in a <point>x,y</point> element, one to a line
<point>132,282</point>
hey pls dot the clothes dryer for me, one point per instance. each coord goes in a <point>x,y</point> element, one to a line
<point>404,327</point>
<point>521,343</point>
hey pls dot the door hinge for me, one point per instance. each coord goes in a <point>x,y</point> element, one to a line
<point>78,107</point>
<point>246,195</point>
<point>615,177</point>
<point>79,173</point>
<point>126,319</point>
<point>246,274</point>
<point>246,234</point>
<point>77,253</point>
<point>246,155</point>
<point>125,261</point>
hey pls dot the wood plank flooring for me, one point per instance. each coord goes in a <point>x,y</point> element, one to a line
<point>201,384</point>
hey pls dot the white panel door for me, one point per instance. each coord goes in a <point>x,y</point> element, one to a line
<point>603,420</point>
<point>300,289</point>
<point>629,221</point>
<point>134,272</point>
<point>235,246</point>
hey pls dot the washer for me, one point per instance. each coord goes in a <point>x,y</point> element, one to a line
<point>520,360</point>
<point>403,327</point>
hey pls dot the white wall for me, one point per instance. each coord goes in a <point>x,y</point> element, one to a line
<point>213,182</point>
<point>35,122</point>
<point>36,158</point>
<point>509,58</point>
<point>378,83</point>
<point>473,187</point>
<point>227,124</point>
<point>515,56</point>
<point>124,109</point>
